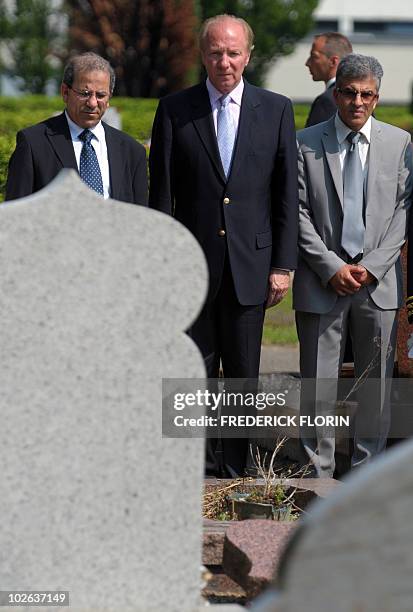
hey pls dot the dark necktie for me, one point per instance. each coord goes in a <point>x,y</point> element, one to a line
<point>225,133</point>
<point>89,165</point>
<point>352,237</point>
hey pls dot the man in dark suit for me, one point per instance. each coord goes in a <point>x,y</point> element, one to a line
<point>223,161</point>
<point>325,55</point>
<point>109,161</point>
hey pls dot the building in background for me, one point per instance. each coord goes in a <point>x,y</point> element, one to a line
<point>375,27</point>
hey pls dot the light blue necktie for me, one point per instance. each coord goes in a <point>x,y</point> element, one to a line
<point>352,237</point>
<point>225,133</point>
<point>89,165</point>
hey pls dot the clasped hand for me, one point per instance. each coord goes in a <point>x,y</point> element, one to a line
<point>350,278</point>
<point>278,284</point>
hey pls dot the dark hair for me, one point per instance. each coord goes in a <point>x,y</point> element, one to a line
<point>335,44</point>
<point>86,62</point>
<point>356,66</point>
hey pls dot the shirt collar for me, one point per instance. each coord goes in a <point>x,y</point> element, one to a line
<point>75,130</point>
<point>330,82</point>
<point>235,94</point>
<point>342,130</point>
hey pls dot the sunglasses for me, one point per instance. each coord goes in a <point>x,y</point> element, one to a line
<point>351,94</point>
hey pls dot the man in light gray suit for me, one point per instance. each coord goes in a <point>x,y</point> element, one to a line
<point>355,188</point>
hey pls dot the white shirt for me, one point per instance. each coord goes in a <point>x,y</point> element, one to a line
<point>234,105</point>
<point>342,131</point>
<point>330,82</point>
<point>98,143</point>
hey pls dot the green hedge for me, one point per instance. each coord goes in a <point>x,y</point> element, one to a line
<point>18,113</point>
<point>137,116</point>
<point>396,115</point>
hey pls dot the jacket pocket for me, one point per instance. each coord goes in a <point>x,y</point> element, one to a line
<point>264,240</point>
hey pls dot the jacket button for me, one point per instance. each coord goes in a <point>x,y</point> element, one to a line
<point>226,200</point>
<point>221,233</point>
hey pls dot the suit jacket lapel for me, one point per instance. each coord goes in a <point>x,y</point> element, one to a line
<point>60,139</point>
<point>204,124</point>
<point>116,162</point>
<point>246,127</point>
<point>331,148</point>
<point>374,160</point>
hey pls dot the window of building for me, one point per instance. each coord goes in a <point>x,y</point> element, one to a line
<point>384,28</point>
<point>325,25</point>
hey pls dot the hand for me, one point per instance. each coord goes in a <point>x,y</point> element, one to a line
<point>344,281</point>
<point>278,283</point>
<point>363,276</point>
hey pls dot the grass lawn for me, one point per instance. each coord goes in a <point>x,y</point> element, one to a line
<point>279,324</point>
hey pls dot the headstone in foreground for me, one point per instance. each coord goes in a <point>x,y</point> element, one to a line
<point>95,299</point>
<point>354,550</point>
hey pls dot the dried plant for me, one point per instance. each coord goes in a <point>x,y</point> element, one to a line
<point>275,477</point>
<point>215,501</point>
<point>365,374</point>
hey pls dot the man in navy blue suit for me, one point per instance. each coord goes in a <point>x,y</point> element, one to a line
<point>224,162</point>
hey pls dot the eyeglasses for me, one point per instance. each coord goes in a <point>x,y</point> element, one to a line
<point>86,95</point>
<point>351,94</point>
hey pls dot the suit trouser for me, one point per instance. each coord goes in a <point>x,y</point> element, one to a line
<point>322,342</point>
<point>229,333</point>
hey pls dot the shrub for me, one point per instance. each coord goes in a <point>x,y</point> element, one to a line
<point>6,147</point>
<point>137,117</point>
<point>18,113</point>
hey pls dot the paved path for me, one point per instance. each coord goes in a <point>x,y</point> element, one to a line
<point>275,358</point>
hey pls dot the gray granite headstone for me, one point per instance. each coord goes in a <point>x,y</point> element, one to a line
<point>113,118</point>
<point>354,550</point>
<point>94,299</point>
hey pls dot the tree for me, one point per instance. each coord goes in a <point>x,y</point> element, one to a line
<point>277,25</point>
<point>31,32</point>
<point>150,43</point>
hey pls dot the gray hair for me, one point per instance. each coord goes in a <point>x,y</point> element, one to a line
<point>249,34</point>
<point>356,66</point>
<point>87,62</point>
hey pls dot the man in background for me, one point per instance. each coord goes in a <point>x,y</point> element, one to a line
<point>325,55</point>
<point>109,161</point>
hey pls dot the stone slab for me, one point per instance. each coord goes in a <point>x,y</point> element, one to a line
<point>95,299</point>
<point>113,118</point>
<point>214,532</point>
<point>322,487</point>
<point>222,589</point>
<point>213,541</point>
<point>252,552</point>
